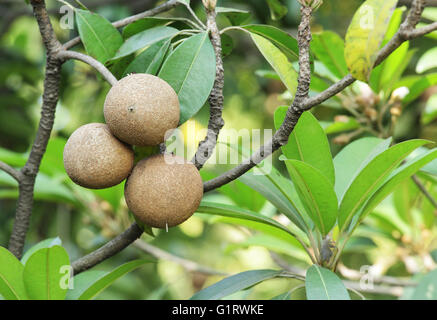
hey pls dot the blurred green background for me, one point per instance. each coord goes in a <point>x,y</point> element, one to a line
<point>86,219</point>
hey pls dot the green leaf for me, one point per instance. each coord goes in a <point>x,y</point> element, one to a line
<point>278,61</point>
<point>236,212</point>
<point>277,9</point>
<point>190,70</point>
<point>235,16</point>
<point>234,284</point>
<point>100,38</point>
<point>149,23</point>
<point>365,35</point>
<point>427,61</point>
<point>378,72</point>
<point>82,281</point>
<point>106,280</point>
<point>280,192</point>
<point>342,126</point>
<point>150,60</point>
<point>316,193</point>
<point>398,176</point>
<point>47,243</point>
<point>308,143</point>
<point>323,284</point>
<point>427,287</point>
<point>371,178</point>
<point>351,159</point>
<point>43,277</point>
<point>329,48</point>
<point>144,39</point>
<point>283,40</point>
<point>11,276</point>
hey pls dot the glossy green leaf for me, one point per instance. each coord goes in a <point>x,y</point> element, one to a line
<point>278,61</point>
<point>43,274</point>
<point>234,284</point>
<point>316,193</point>
<point>375,77</point>
<point>11,276</point>
<point>278,37</point>
<point>82,281</point>
<point>400,174</point>
<point>242,195</point>
<point>151,22</point>
<point>236,212</point>
<point>235,16</point>
<point>144,39</point>
<point>100,38</point>
<point>329,48</point>
<point>280,192</point>
<point>427,61</point>
<point>190,70</point>
<point>308,143</point>
<point>47,243</point>
<point>365,35</point>
<point>351,159</point>
<point>150,60</point>
<point>371,178</point>
<point>106,280</point>
<point>342,126</point>
<point>323,284</point>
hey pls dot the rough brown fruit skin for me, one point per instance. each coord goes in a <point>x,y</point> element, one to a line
<point>158,193</point>
<point>95,159</point>
<point>140,108</point>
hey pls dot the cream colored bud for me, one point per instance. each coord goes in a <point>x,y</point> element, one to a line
<point>210,4</point>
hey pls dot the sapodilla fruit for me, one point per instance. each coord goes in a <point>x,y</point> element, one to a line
<point>140,109</point>
<point>95,159</point>
<point>163,190</point>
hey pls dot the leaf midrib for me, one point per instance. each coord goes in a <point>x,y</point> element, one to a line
<point>192,63</point>
<point>92,30</point>
<point>359,202</point>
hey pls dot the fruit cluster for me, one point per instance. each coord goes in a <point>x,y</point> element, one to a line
<point>162,190</point>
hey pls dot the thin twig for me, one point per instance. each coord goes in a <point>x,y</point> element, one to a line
<point>124,22</point>
<point>65,55</point>
<point>425,192</point>
<point>164,255</point>
<point>216,122</point>
<point>11,171</point>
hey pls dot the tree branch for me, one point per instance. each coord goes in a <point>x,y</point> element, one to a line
<point>216,122</point>
<point>293,114</point>
<point>124,22</point>
<point>108,250</point>
<point>64,55</point>
<point>11,171</point>
<point>164,255</point>
<point>50,99</point>
<point>406,32</point>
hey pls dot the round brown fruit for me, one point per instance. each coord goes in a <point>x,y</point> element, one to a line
<point>163,190</point>
<point>95,159</point>
<point>140,109</point>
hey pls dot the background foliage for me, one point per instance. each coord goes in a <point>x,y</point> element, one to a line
<point>84,219</point>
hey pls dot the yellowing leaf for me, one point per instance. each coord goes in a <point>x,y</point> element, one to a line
<point>365,35</point>
<point>278,61</point>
